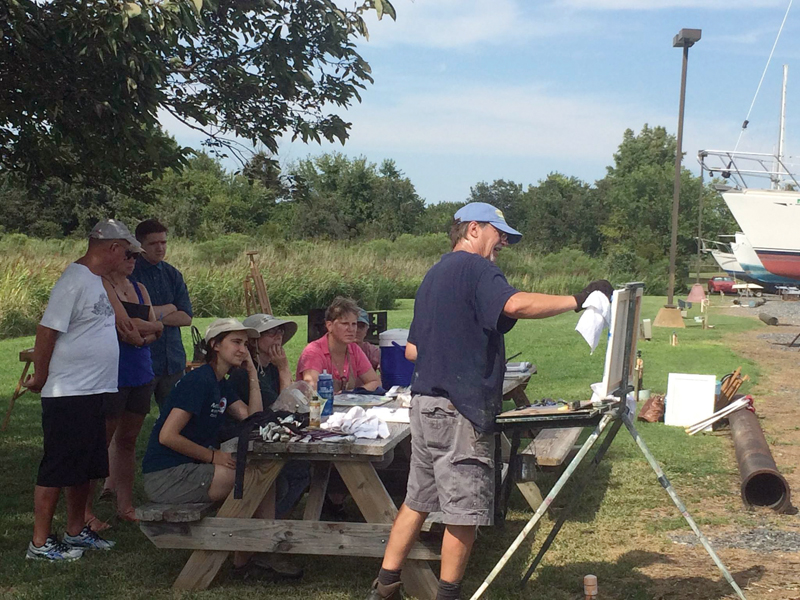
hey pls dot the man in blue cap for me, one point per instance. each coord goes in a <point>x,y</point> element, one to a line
<point>463,308</point>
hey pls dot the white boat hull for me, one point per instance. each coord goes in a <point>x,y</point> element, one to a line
<point>728,263</point>
<point>770,219</point>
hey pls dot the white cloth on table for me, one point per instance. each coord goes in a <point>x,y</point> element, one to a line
<point>358,422</point>
<point>595,318</point>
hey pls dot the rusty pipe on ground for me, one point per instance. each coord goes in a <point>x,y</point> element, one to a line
<point>762,484</point>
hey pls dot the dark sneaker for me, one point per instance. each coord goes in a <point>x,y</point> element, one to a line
<point>264,570</point>
<point>88,540</point>
<point>385,592</point>
<point>284,568</point>
<point>53,551</point>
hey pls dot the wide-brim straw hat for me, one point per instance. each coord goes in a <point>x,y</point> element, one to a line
<point>262,322</point>
<point>227,325</point>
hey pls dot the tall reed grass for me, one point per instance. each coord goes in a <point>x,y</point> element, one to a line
<point>299,275</point>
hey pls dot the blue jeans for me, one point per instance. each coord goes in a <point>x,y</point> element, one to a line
<point>292,481</point>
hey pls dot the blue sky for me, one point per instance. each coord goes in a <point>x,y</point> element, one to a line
<point>478,90</point>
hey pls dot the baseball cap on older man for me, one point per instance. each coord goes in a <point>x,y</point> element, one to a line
<point>262,322</point>
<point>486,213</point>
<point>111,229</point>
<point>226,326</point>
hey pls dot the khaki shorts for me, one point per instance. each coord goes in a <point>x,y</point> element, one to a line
<point>452,465</point>
<point>185,484</point>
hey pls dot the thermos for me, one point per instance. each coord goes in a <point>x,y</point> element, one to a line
<point>325,391</point>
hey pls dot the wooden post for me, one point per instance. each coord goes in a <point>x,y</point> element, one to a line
<point>258,284</point>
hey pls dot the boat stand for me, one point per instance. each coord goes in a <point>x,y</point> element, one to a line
<point>614,415</point>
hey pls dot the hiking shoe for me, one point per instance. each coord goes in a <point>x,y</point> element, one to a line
<point>283,567</point>
<point>54,551</point>
<point>88,540</point>
<point>385,592</point>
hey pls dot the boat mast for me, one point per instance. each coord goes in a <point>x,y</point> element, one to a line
<point>782,131</point>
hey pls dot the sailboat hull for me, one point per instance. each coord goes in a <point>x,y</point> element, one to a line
<point>770,219</point>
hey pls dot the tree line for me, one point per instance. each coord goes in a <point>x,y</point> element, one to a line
<point>625,216</point>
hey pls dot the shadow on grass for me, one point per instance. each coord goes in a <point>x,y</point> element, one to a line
<point>623,579</point>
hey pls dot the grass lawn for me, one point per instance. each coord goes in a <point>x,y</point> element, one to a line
<point>623,513</point>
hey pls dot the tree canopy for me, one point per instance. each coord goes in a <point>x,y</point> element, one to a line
<point>82,84</point>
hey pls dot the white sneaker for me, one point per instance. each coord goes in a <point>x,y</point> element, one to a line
<point>53,551</point>
<point>88,540</point>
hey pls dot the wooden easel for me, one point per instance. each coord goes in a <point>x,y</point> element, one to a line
<point>254,288</point>
<point>26,356</point>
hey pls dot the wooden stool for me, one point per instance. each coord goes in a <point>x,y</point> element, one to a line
<point>26,356</point>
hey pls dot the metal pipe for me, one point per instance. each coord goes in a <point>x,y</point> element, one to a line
<point>762,484</point>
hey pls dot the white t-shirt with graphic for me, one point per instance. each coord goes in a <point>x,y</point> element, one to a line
<point>86,355</point>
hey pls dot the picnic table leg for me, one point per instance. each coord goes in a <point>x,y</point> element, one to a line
<point>377,507</point>
<point>203,565</point>
<point>320,472</point>
<point>18,391</point>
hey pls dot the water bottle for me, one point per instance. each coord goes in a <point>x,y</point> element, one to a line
<point>325,391</point>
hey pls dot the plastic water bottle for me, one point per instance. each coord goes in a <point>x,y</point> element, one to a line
<point>325,391</point>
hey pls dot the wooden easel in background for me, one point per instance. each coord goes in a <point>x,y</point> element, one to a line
<point>254,288</point>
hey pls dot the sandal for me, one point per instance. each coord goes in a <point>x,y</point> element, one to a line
<point>128,515</point>
<point>106,495</point>
<point>97,525</point>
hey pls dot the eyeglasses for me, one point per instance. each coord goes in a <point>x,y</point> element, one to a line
<point>129,254</point>
<point>275,331</point>
<point>503,235</point>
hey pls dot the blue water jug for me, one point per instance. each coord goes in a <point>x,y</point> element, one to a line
<point>325,391</point>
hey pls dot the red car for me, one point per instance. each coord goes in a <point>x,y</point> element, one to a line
<point>722,285</point>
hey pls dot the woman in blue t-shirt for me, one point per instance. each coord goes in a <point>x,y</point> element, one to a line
<point>183,463</point>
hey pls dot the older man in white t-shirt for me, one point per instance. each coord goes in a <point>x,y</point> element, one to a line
<point>75,364</point>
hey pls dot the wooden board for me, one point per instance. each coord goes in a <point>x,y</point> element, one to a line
<point>174,513</point>
<point>530,411</point>
<point>203,565</point>
<point>377,506</point>
<point>552,446</point>
<point>285,536</point>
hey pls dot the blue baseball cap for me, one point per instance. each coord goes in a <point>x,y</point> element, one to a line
<point>486,213</point>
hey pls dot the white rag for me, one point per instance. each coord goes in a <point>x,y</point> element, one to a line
<point>358,422</point>
<point>595,318</point>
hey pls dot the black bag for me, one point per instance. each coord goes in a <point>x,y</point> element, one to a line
<point>199,354</point>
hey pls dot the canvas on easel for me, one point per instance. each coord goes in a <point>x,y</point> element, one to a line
<point>622,339</point>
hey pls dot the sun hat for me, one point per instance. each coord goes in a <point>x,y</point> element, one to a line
<point>111,229</point>
<point>262,322</point>
<point>227,325</point>
<point>486,213</point>
<point>363,316</point>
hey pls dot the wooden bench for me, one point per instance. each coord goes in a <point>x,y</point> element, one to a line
<point>174,513</point>
<point>552,446</point>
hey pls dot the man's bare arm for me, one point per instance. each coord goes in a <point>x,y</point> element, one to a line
<point>528,305</point>
<point>169,315</point>
<point>42,353</point>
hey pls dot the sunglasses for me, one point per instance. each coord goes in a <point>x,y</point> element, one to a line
<point>129,255</point>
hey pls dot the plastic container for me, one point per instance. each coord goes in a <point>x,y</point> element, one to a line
<point>395,368</point>
<point>325,392</point>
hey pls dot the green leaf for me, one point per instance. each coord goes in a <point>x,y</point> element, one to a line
<point>132,9</point>
<point>198,5</point>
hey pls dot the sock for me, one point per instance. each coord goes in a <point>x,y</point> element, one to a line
<point>388,577</point>
<point>448,591</point>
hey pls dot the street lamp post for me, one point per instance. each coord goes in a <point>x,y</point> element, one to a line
<point>669,315</point>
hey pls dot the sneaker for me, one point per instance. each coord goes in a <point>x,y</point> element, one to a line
<point>283,567</point>
<point>384,592</point>
<point>54,551</point>
<point>88,540</point>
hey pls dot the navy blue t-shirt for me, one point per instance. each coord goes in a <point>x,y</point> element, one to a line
<point>458,329</point>
<point>199,393</point>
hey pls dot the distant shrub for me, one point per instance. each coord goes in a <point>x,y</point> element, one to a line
<point>223,249</point>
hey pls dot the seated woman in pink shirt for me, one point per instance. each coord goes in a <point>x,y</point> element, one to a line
<point>337,352</point>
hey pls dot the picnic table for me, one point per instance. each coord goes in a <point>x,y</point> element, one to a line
<point>233,529</point>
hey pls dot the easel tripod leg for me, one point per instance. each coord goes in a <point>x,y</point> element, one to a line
<point>662,479</point>
<point>587,445</point>
<point>584,481</point>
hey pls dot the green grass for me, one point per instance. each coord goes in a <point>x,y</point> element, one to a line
<point>623,506</point>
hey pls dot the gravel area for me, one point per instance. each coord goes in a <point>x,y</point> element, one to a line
<point>760,539</point>
<point>787,311</point>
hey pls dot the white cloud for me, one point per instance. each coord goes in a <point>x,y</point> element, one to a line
<point>667,4</point>
<point>465,23</point>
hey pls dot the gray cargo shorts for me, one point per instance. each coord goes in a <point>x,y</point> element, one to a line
<point>185,484</point>
<point>452,464</point>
